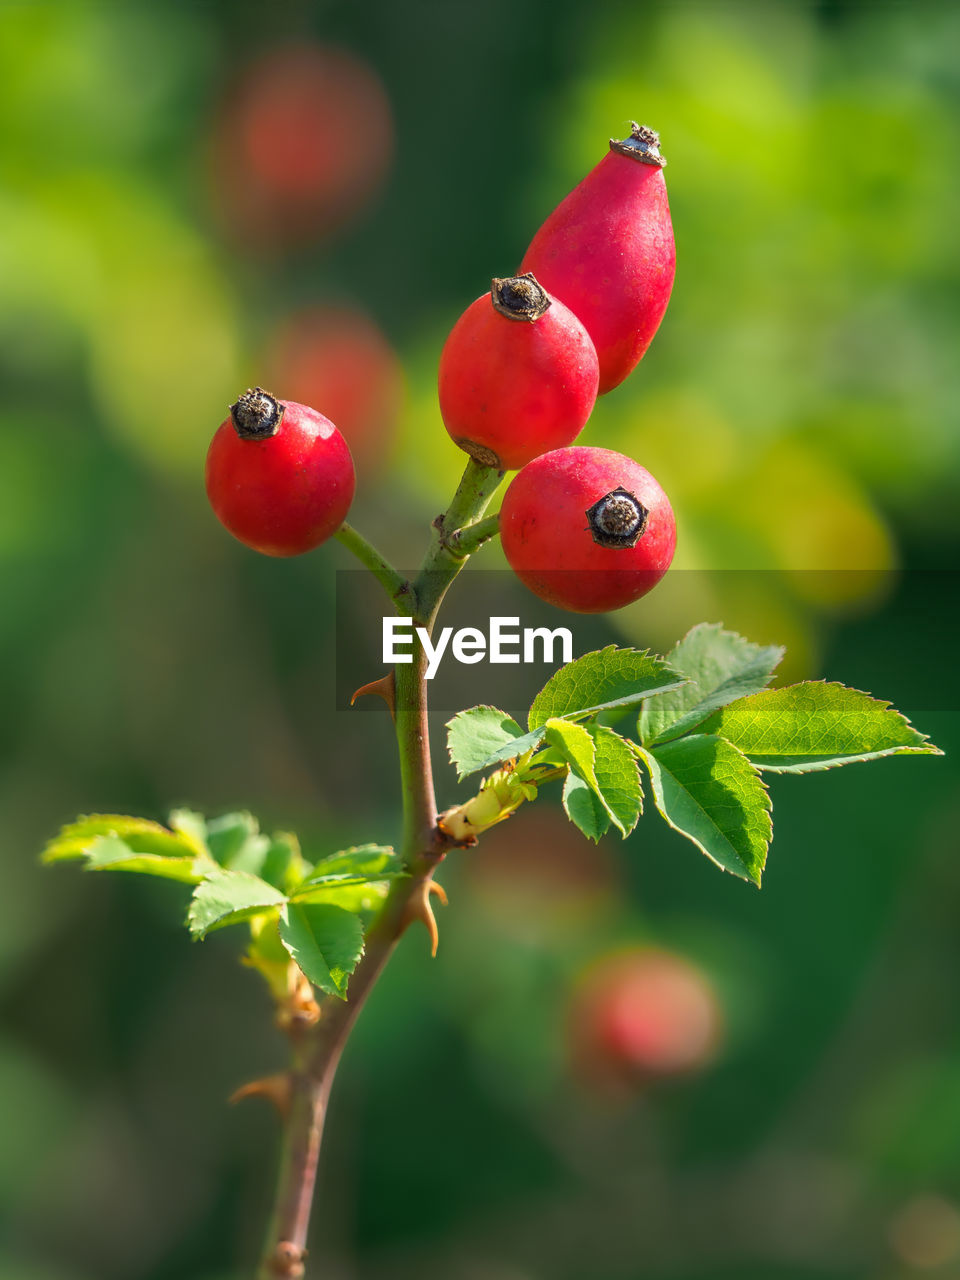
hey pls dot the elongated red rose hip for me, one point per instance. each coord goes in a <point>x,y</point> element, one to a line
<point>518,375</point>
<point>587,529</point>
<point>607,251</point>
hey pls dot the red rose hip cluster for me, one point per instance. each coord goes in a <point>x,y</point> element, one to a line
<point>586,529</point>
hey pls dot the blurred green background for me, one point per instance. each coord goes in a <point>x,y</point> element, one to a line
<point>197,197</point>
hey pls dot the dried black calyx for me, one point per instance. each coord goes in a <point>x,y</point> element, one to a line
<point>643,145</point>
<point>256,415</point>
<point>618,519</point>
<point>519,297</point>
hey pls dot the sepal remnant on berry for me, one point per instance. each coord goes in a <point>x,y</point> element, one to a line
<point>618,519</point>
<point>256,415</point>
<point>643,145</point>
<point>519,297</point>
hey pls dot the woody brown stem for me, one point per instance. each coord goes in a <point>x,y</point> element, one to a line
<point>317,1048</point>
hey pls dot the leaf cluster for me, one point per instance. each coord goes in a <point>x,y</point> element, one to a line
<point>705,729</point>
<point>311,913</point>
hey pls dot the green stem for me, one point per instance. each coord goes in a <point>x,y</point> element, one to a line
<point>317,1049</point>
<point>441,564</point>
<point>394,583</point>
<point>464,542</point>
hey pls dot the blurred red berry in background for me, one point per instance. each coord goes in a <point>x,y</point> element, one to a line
<point>337,358</point>
<point>643,1014</point>
<point>302,140</point>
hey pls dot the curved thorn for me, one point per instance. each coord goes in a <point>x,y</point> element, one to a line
<point>440,891</point>
<point>419,907</point>
<point>384,688</point>
<point>275,1088</point>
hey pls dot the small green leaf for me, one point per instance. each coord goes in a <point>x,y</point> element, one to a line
<point>353,866</point>
<point>368,861</point>
<point>510,750</point>
<point>606,764</point>
<point>618,778</point>
<point>575,746</point>
<point>227,897</point>
<point>474,735</point>
<point>817,725</point>
<point>711,793</point>
<point>110,853</point>
<point>325,941</point>
<point>607,678</point>
<point>140,835</point>
<point>584,807</point>
<point>234,840</point>
<point>721,666</point>
<point>283,865</point>
<point>360,899</point>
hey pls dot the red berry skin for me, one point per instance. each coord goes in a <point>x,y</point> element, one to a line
<point>285,494</point>
<point>608,252</point>
<point>549,542</point>
<point>512,389</point>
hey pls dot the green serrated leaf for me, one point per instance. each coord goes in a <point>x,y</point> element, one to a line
<point>618,778</point>
<point>325,941</point>
<point>710,792</point>
<point>721,666</point>
<point>228,897</point>
<point>110,853</point>
<point>474,735</point>
<point>604,679</point>
<point>584,807</point>
<point>353,866</point>
<point>139,834</point>
<point>817,725</point>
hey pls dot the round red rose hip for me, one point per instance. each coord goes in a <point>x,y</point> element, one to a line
<point>587,529</point>
<point>279,475</point>
<point>518,375</point>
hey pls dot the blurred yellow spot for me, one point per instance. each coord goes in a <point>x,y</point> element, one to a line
<point>677,435</point>
<point>819,525</point>
<point>925,1233</point>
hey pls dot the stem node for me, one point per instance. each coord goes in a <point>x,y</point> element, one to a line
<point>286,1261</point>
